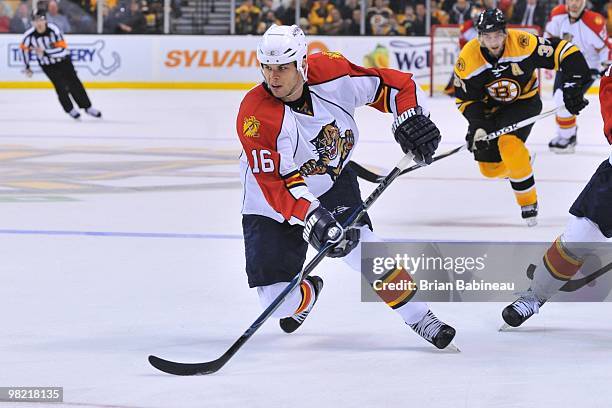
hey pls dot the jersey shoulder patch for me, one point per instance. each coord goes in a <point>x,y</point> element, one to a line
<point>471,61</point>
<point>558,11</point>
<point>519,45</point>
<point>595,21</point>
<point>260,116</point>
<point>326,66</point>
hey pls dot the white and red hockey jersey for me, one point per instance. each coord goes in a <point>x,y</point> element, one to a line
<point>589,34</point>
<point>293,155</point>
<point>467,31</point>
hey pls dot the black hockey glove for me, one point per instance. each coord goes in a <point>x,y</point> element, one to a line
<point>573,97</point>
<point>416,133</point>
<point>320,228</point>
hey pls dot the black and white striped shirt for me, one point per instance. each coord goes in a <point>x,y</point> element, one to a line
<point>52,41</point>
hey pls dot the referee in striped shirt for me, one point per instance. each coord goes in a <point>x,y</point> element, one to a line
<point>47,42</point>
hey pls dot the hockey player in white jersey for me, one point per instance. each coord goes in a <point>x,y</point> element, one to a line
<point>587,30</point>
<point>298,132</point>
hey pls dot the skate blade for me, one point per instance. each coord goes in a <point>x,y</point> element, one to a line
<point>531,222</point>
<point>567,150</point>
<point>452,347</point>
<point>505,327</point>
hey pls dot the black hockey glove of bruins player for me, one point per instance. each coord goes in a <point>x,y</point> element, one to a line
<point>416,133</point>
<point>320,228</point>
<point>573,96</point>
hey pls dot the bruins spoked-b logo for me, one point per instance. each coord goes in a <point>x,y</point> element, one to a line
<point>333,149</point>
<point>504,90</point>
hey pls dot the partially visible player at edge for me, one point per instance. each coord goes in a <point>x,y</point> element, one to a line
<point>590,222</point>
<point>587,30</point>
<point>496,84</point>
<point>298,132</point>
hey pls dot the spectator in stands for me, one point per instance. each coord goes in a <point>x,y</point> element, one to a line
<point>154,16</point>
<point>54,17</point>
<point>109,25</point>
<point>378,9</point>
<point>353,26</point>
<point>266,22</point>
<point>438,14</point>
<point>335,26</point>
<point>5,21</point>
<point>529,12</point>
<point>346,10</point>
<point>8,11</point>
<point>131,21</point>
<point>460,12</point>
<point>286,14</point>
<point>420,24</point>
<point>381,25</point>
<point>247,18</point>
<point>407,20</point>
<point>267,5</point>
<point>21,20</point>
<point>91,5</point>
<point>507,7</point>
<point>82,23</point>
<point>320,14</point>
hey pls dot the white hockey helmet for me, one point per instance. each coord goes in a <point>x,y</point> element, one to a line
<point>282,45</point>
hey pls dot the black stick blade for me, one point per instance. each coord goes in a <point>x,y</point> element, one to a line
<point>173,367</point>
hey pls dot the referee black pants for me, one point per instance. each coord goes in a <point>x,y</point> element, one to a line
<point>66,83</point>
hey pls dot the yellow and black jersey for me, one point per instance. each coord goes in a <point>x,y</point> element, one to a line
<point>483,81</point>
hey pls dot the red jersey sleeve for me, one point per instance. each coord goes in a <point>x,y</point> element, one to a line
<point>269,152</point>
<point>605,99</point>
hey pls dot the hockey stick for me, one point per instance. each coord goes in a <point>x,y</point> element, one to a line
<point>574,285</point>
<point>210,367</point>
<point>372,177</point>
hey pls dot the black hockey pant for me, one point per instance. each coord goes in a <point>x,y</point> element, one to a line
<point>66,83</point>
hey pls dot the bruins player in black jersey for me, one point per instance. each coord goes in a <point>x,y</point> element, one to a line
<point>496,85</point>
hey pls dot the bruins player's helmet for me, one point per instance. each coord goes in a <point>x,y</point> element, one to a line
<point>491,20</point>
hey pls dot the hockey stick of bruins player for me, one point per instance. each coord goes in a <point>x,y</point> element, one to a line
<point>372,177</point>
<point>210,367</point>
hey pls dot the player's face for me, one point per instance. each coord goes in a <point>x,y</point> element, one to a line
<point>494,42</point>
<point>574,7</point>
<point>40,25</point>
<point>284,80</point>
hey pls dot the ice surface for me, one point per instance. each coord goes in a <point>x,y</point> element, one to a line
<point>121,238</point>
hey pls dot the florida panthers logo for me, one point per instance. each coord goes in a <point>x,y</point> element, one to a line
<point>331,146</point>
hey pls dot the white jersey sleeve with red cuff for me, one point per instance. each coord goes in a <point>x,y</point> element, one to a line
<point>387,90</point>
<point>605,99</point>
<point>268,146</point>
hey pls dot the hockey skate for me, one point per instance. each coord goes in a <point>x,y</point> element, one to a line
<point>561,145</point>
<point>292,323</point>
<point>521,309</point>
<point>530,214</point>
<point>435,331</point>
<point>74,114</point>
<point>93,112</point>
